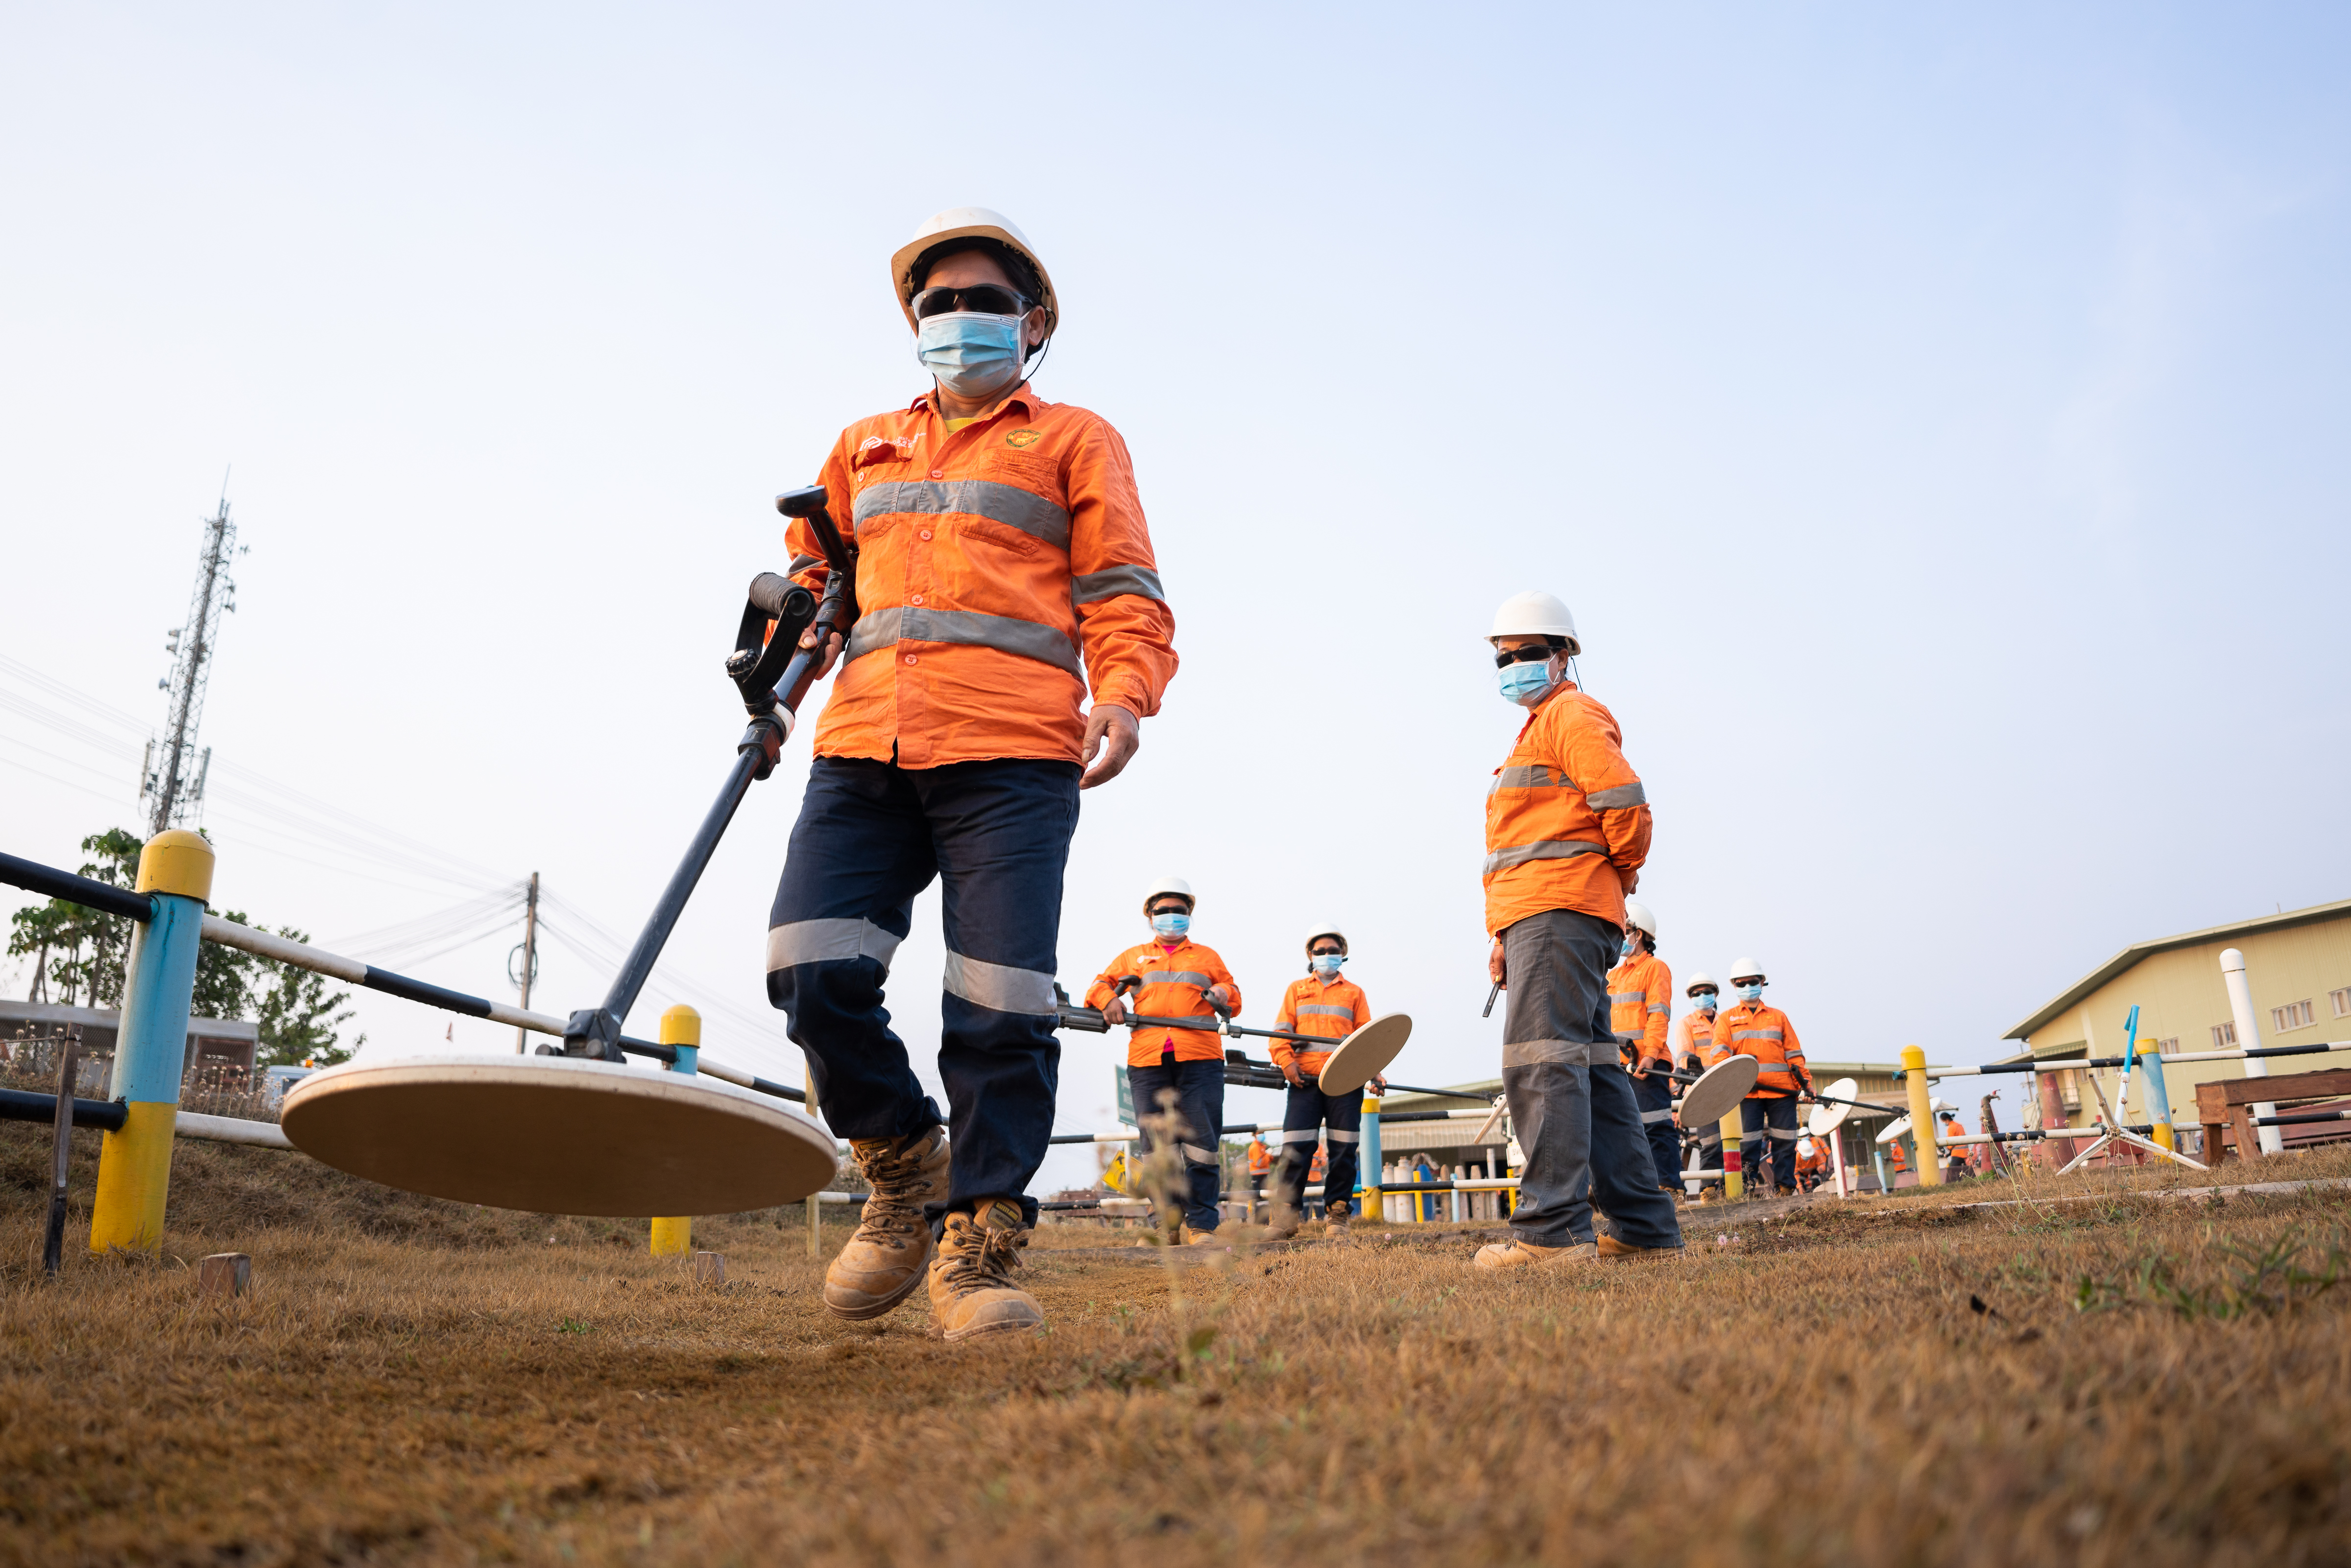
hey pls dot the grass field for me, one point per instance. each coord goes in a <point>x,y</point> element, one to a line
<point>2132,1379</point>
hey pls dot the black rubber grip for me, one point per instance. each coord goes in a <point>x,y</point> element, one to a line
<point>769,591</point>
<point>104,897</point>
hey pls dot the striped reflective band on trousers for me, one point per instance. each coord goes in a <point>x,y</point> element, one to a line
<point>1786,1135</point>
<point>1311,1136</point>
<point>1177,977</point>
<point>1195,1155</point>
<point>1542,849</point>
<point>880,629</point>
<point>830,941</point>
<point>1325,1011</point>
<point>999,985</point>
<point>1664,1116</point>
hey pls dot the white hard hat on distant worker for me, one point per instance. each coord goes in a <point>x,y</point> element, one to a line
<point>1701,980</point>
<point>1169,887</point>
<point>1316,933</point>
<point>1637,913</point>
<point>977,224</point>
<point>1746,970</point>
<point>1535,614</point>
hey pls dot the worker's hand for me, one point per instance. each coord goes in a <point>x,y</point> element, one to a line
<point>1379,1084</point>
<point>1290,1071</point>
<point>1110,723</point>
<point>831,651</point>
<point>1115,1010</point>
<point>1495,970</point>
<point>1219,998</point>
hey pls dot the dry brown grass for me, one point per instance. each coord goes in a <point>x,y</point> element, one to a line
<point>411,1381</point>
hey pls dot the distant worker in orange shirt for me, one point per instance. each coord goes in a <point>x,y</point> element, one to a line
<point>1955,1167</point>
<point>1693,1046</point>
<point>1322,1003</point>
<point>1175,977</point>
<point>1766,1117</point>
<point>1640,1010</point>
<point>1812,1163</point>
<point>1011,630</point>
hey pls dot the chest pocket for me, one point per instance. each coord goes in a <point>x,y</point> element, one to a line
<point>1031,471</point>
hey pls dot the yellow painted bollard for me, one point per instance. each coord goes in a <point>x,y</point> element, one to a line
<point>681,1027</point>
<point>1733,1134</point>
<point>1922,1116</point>
<point>134,1165</point>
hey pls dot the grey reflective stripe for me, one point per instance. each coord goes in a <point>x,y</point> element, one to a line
<point>1788,1133</point>
<point>999,985</point>
<point>1112,581</point>
<point>1176,978</point>
<point>1007,504</point>
<point>1628,996</point>
<point>830,941</point>
<point>880,628</point>
<point>1310,1135</point>
<point>1544,850</point>
<point>1325,1011</point>
<point>1198,1156</point>
<point>1664,1116</point>
<point>1614,799</point>
<point>1531,776</point>
<point>1758,1034</point>
<point>1657,1007</point>
<point>1340,1137</point>
<point>800,563</point>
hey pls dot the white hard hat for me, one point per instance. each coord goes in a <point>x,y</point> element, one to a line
<point>1699,977</point>
<point>1535,615</point>
<point>1637,913</point>
<point>967,222</point>
<point>1327,928</point>
<point>1166,885</point>
<point>1746,969</point>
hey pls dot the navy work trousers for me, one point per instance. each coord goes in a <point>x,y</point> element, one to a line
<point>1200,1091</point>
<point>1769,1119</point>
<point>1653,1093</point>
<point>1308,1111</point>
<point>1572,1103</point>
<point>870,836</point>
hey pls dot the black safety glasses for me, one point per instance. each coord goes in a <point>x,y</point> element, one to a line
<point>1695,995</point>
<point>1505,657</point>
<point>986,299</point>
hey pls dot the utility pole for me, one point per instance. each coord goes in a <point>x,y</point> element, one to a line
<point>530,958</point>
<point>171,781</point>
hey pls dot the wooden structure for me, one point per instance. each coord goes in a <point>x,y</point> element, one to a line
<point>2229,1103</point>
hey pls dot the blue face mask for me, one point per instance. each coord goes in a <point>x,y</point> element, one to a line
<point>1327,964</point>
<point>1632,946</point>
<point>1753,993</point>
<point>1171,925</point>
<point>972,355</point>
<point>1704,1001</point>
<point>1525,684</point>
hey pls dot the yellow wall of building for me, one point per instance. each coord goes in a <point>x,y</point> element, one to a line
<point>2180,995</point>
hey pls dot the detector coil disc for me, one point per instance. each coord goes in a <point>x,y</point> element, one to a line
<point>1719,1090</point>
<point>1365,1055</point>
<point>1827,1118</point>
<point>556,1135</point>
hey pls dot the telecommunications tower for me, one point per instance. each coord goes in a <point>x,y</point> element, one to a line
<point>172,779</point>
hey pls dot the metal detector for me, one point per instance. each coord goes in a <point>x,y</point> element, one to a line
<point>774,675</point>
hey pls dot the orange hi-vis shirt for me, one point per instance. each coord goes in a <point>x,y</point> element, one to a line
<point>1694,1036</point>
<point>1567,823</point>
<point>1641,1004</point>
<point>1003,568</point>
<point>1176,980</point>
<point>1335,1009</point>
<point>1763,1031</point>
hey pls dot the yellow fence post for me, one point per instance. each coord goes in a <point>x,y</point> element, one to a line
<point>1922,1117</point>
<point>681,1027</point>
<point>150,1048</point>
<point>1733,1134</point>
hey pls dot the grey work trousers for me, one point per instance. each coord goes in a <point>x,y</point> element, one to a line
<point>1570,1103</point>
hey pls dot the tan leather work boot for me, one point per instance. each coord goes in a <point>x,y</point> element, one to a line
<point>972,1292</point>
<point>1194,1237</point>
<point>1611,1248</point>
<point>883,1261</point>
<point>1283,1223</point>
<point>1517,1254</point>
<point>1336,1217</point>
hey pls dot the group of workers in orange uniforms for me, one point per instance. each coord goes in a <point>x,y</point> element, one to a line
<point>1171,1067</point>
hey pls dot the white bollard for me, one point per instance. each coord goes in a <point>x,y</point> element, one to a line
<point>2249,1038</point>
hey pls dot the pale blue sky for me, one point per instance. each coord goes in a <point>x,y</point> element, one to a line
<point>1934,418</point>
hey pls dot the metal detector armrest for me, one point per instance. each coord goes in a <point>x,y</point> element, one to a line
<point>759,655</point>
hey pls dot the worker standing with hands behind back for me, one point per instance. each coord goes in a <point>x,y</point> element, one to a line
<point>1010,632</point>
<point>1567,827</point>
<point>1640,1006</point>
<point>1176,978</point>
<point>1322,1004</point>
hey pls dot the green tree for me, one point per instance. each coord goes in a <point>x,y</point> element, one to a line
<point>299,1021</point>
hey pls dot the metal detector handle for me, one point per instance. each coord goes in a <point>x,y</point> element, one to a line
<point>810,504</point>
<point>776,611</point>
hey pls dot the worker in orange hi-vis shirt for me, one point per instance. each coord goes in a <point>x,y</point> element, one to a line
<point>1811,1163</point>
<point>1010,629</point>
<point>1640,1010</point>
<point>1766,1117</point>
<point>1567,831</point>
<point>1172,977</point>
<point>1955,1166</point>
<point>1693,1046</point>
<point>1325,1004</point>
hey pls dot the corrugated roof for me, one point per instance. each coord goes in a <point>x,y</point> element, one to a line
<point>2133,954</point>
